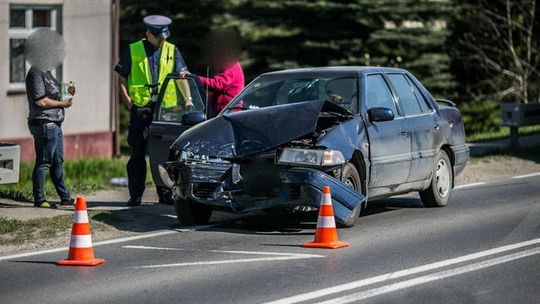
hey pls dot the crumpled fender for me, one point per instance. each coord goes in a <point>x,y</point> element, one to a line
<point>344,199</point>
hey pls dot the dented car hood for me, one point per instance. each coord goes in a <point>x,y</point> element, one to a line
<point>241,134</point>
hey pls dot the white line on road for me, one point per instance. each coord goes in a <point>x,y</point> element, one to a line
<point>431,277</point>
<point>278,256</point>
<point>402,273</point>
<point>526,175</point>
<point>470,185</point>
<point>114,241</point>
<point>224,251</point>
<point>282,258</point>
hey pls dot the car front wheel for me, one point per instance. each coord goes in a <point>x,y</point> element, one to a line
<point>351,178</point>
<point>191,213</point>
<point>442,179</point>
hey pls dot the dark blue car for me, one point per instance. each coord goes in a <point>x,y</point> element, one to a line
<point>366,132</point>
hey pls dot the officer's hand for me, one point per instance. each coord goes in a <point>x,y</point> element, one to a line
<point>67,103</point>
<point>184,73</point>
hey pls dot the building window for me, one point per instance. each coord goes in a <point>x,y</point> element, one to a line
<point>23,20</point>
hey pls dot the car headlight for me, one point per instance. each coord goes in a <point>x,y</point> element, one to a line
<point>325,158</point>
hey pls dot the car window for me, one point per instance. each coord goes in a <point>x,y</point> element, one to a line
<point>270,92</point>
<point>171,105</point>
<point>378,93</point>
<point>424,105</point>
<point>407,100</point>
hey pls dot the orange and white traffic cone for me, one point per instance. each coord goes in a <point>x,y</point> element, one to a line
<point>326,232</point>
<point>81,252</point>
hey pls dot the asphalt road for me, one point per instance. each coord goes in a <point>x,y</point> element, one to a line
<point>482,248</point>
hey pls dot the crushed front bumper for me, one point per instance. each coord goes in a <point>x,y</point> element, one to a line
<point>224,186</point>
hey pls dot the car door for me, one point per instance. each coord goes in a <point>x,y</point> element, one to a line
<point>422,124</point>
<point>167,124</point>
<point>389,141</point>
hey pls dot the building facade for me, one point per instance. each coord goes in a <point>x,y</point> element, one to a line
<point>86,26</point>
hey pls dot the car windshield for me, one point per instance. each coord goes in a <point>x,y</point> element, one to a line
<point>267,92</point>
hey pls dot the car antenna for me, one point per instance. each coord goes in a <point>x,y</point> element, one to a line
<point>207,102</point>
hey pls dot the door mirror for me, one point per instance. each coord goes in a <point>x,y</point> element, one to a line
<point>193,118</point>
<point>380,114</point>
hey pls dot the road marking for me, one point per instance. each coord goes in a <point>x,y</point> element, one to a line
<point>223,251</point>
<point>485,183</point>
<point>402,273</point>
<point>526,175</point>
<point>470,185</point>
<point>277,256</point>
<point>113,241</point>
<point>431,277</point>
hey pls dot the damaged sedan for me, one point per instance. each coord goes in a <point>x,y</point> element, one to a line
<point>366,132</point>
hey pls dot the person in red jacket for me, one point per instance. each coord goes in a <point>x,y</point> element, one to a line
<point>223,54</point>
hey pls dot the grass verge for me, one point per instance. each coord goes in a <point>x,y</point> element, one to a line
<point>40,231</point>
<point>504,132</point>
<point>82,176</point>
<point>532,153</point>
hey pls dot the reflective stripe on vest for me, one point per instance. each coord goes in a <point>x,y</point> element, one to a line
<point>140,77</point>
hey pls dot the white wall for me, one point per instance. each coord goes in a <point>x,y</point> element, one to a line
<point>86,27</point>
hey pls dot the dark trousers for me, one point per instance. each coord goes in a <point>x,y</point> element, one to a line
<point>49,147</point>
<point>139,125</point>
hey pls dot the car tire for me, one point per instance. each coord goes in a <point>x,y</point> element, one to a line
<point>191,213</point>
<point>351,178</point>
<point>442,181</point>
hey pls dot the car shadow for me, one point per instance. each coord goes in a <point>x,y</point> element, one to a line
<point>155,217</point>
<point>391,204</point>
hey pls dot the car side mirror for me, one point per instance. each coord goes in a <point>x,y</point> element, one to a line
<point>380,114</point>
<point>193,118</point>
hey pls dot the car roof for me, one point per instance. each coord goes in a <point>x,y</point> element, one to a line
<point>335,70</point>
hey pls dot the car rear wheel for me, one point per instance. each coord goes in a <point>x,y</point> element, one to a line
<point>442,180</point>
<point>351,178</point>
<point>191,213</point>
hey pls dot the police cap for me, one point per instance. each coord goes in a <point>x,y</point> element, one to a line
<point>158,25</point>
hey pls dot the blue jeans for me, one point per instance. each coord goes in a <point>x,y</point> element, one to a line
<point>49,146</point>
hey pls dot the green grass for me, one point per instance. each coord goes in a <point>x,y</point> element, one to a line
<point>18,232</point>
<point>82,176</point>
<point>504,132</point>
<point>529,153</point>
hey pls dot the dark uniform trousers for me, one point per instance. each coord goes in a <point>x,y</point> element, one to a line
<point>139,123</point>
<point>139,126</point>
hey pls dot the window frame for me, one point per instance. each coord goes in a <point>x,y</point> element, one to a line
<point>399,111</point>
<point>24,32</point>
<point>398,98</point>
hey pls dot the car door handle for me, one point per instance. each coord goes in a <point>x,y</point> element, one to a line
<point>404,133</point>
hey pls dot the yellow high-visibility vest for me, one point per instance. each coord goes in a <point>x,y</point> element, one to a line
<point>139,77</point>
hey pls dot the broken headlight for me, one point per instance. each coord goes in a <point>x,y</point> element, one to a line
<point>324,158</point>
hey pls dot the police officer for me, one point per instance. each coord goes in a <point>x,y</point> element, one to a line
<point>142,70</point>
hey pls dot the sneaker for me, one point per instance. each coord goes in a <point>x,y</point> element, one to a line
<point>45,204</point>
<point>67,202</point>
<point>134,202</point>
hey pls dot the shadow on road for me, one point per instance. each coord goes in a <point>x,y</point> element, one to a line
<point>154,217</point>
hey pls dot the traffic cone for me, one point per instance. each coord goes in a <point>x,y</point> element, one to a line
<point>81,252</point>
<point>326,232</point>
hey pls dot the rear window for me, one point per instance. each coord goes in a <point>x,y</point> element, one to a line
<point>407,100</point>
